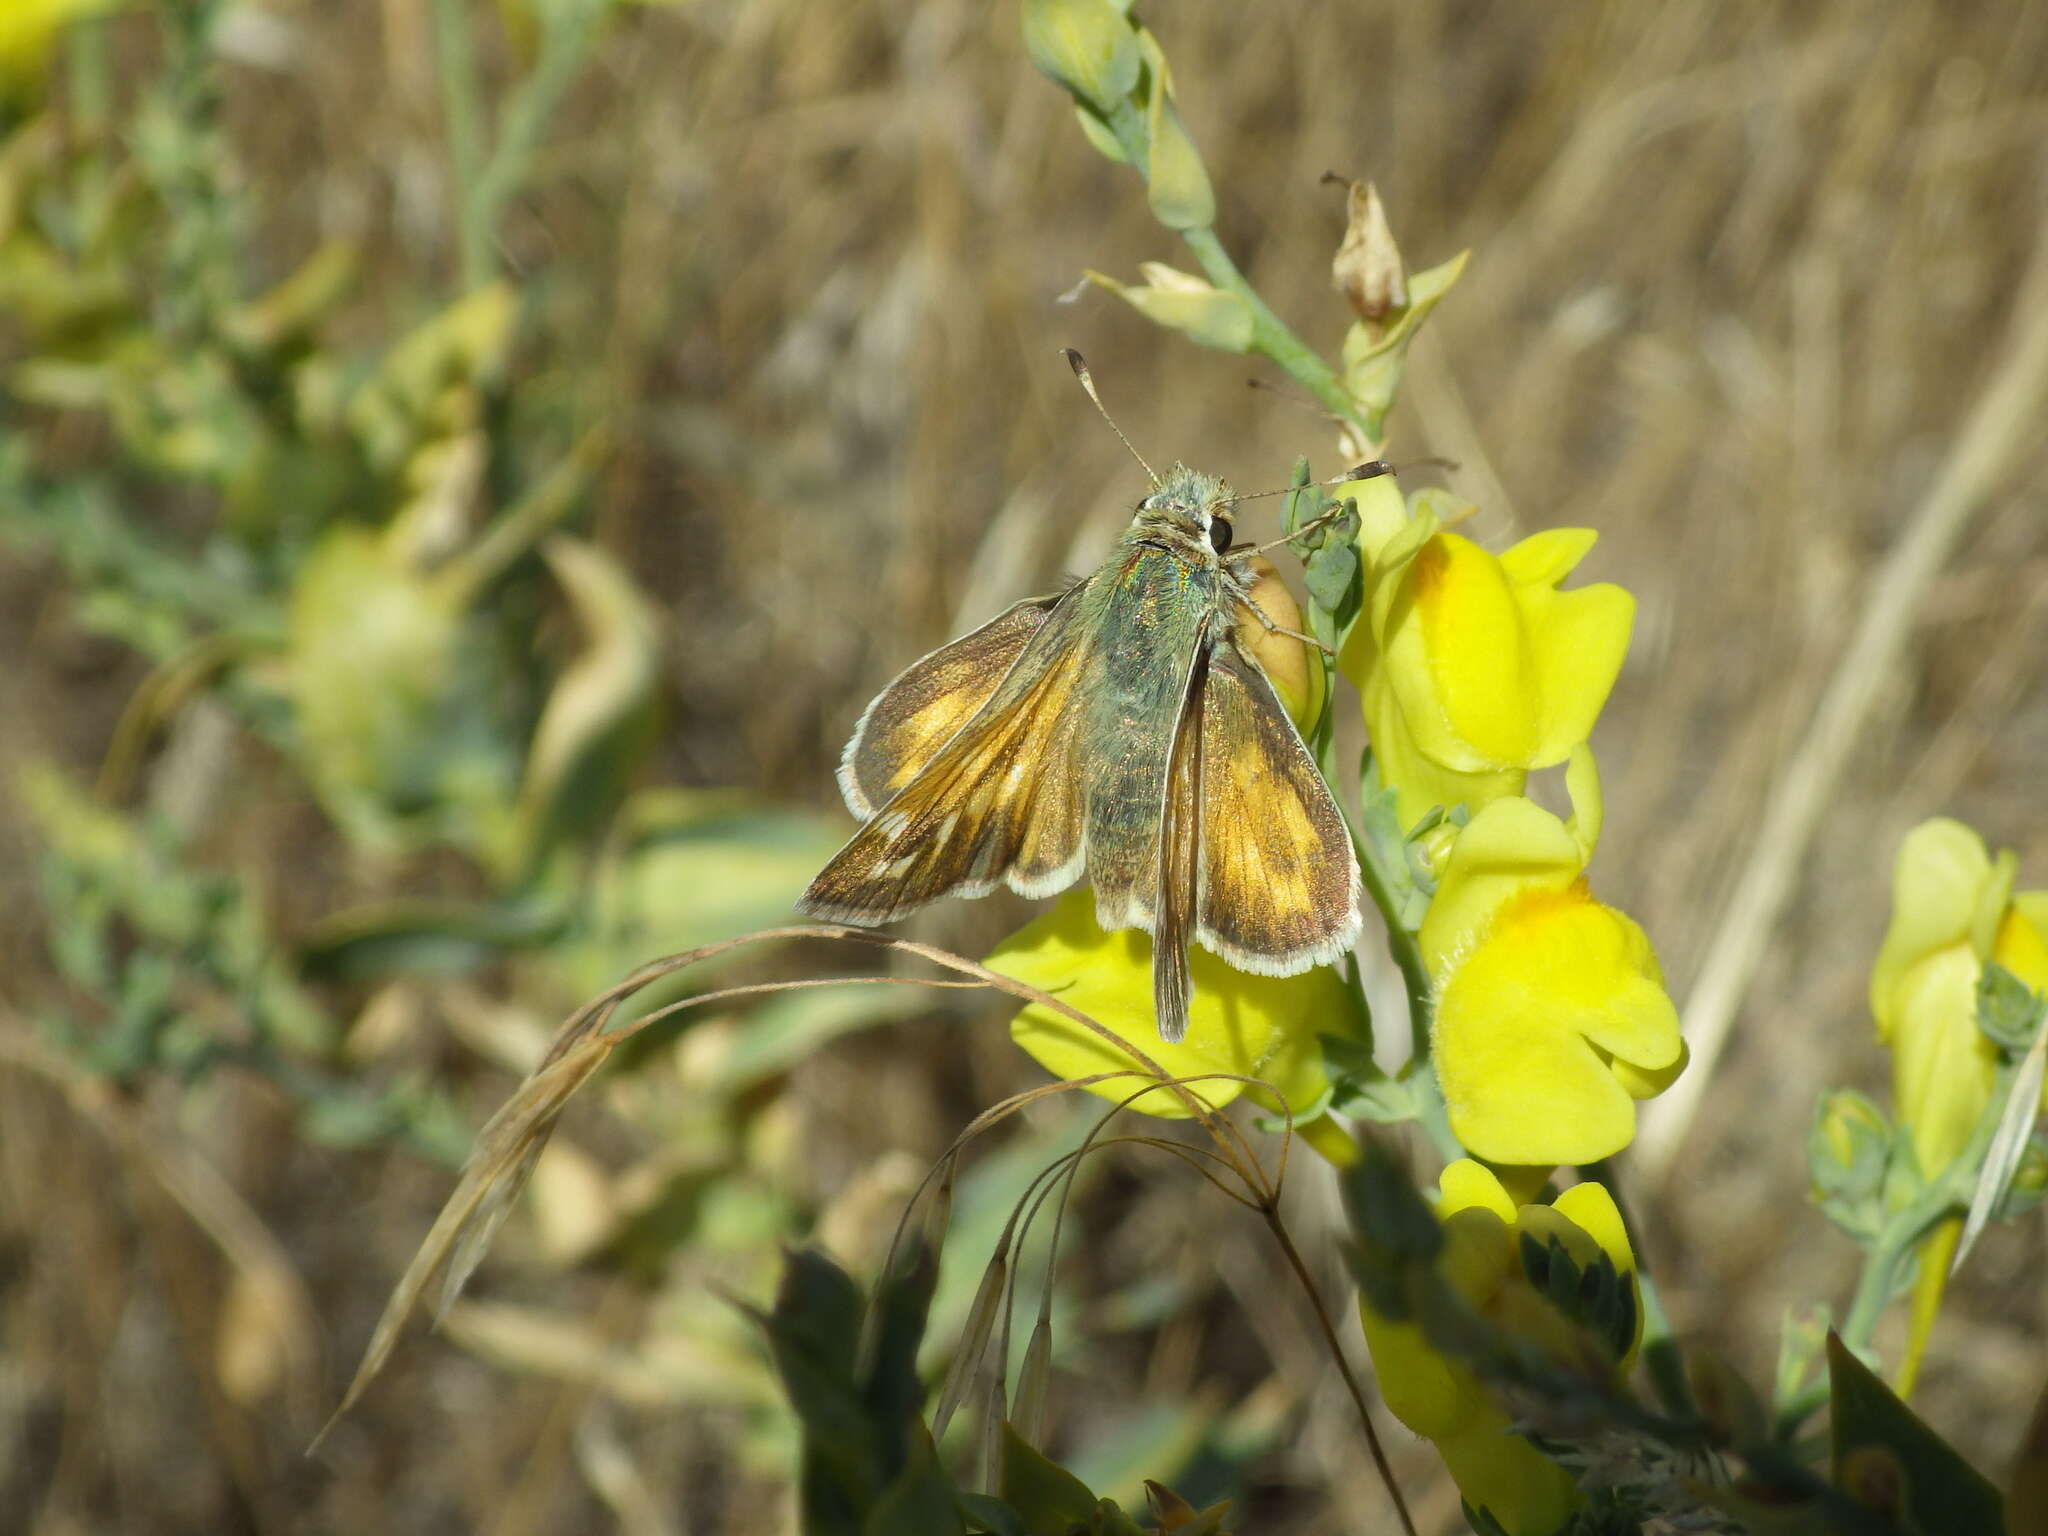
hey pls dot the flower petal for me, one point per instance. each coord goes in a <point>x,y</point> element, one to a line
<point>2022,943</point>
<point>1519,1021</point>
<point>1579,639</point>
<point>1511,846</point>
<point>1544,559</point>
<point>1943,1066</point>
<point>1421,785</point>
<point>1942,865</point>
<point>1479,662</point>
<point>1469,1184</point>
<point>1254,1026</point>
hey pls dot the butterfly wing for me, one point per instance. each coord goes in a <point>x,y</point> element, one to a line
<point>1278,891</point>
<point>998,802</point>
<point>1177,890</point>
<point>910,720</point>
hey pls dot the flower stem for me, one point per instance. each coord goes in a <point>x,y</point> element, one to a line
<point>1271,335</point>
<point>1401,945</point>
<point>1894,1249</point>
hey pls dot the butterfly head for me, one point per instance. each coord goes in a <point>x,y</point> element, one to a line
<point>1189,510</point>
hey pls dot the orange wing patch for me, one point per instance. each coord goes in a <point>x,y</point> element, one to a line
<point>999,803</point>
<point>1279,880</point>
<point>908,722</point>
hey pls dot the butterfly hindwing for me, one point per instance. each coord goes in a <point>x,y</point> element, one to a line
<point>903,729</point>
<point>1279,881</point>
<point>1180,859</point>
<point>999,802</point>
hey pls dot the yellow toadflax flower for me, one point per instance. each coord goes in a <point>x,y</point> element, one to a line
<point>1953,908</point>
<point>1253,1026</point>
<point>1551,1015</point>
<point>1441,1398</point>
<point>1474,667</point>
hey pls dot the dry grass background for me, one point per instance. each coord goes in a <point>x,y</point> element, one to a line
<point>1742,272</point>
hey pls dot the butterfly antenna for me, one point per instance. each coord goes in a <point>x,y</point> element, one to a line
<point>1371,469</point>
<point>1080,366</point>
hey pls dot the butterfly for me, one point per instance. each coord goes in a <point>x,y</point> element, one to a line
<point>1119,730</point>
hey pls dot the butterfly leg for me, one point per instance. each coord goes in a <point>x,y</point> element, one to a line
<point>1280,629</point>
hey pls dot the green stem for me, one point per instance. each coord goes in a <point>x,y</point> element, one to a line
<point>1401,945</point>
<point>462,105</point>
<point>1271,335</point>
<point>1894,1248</point>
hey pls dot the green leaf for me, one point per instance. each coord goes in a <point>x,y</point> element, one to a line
<point>812,1333</point>
<point>2007,1010</point>
<point>1176,183</point>
<point>920,1502</point>
<point>599,717</point>
<point>2006,1154</point>
<point>1049,1499</point>
<point>1359,1087</point>
<point>1182,302</point>
<point>1100,135</point>
<point>424,938</point>
<point>1331,574</point>
<point>988,1513</point>
<point>1888,1460</point>
<point>1848,1156</point>
<point>895,1327</point>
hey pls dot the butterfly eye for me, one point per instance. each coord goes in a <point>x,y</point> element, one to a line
<point>1219,534</point>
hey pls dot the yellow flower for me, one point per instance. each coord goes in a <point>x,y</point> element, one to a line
<point>1473,667</point>
<point>1256,1026</point>
<point>1953,908</point>
<point>1551,1014</point>
<point>1497,1470</point>
<point>28,35</point>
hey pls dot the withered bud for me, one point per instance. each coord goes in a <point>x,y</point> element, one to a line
<point>1367,269</point>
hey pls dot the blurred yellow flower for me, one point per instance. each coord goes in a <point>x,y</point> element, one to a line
<point>1551,1015</point>
<point>1255,1026</point>
<point>1497,1470</point>
<point>1473,667</point>
<point>1953,908</point>
<point>28,37</point>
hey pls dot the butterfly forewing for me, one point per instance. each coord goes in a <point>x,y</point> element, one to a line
<point>1279,884</point>
<point>1000,801</point>
<point>918,713</point>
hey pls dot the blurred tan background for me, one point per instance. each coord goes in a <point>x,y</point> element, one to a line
<point>1742,274</point>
